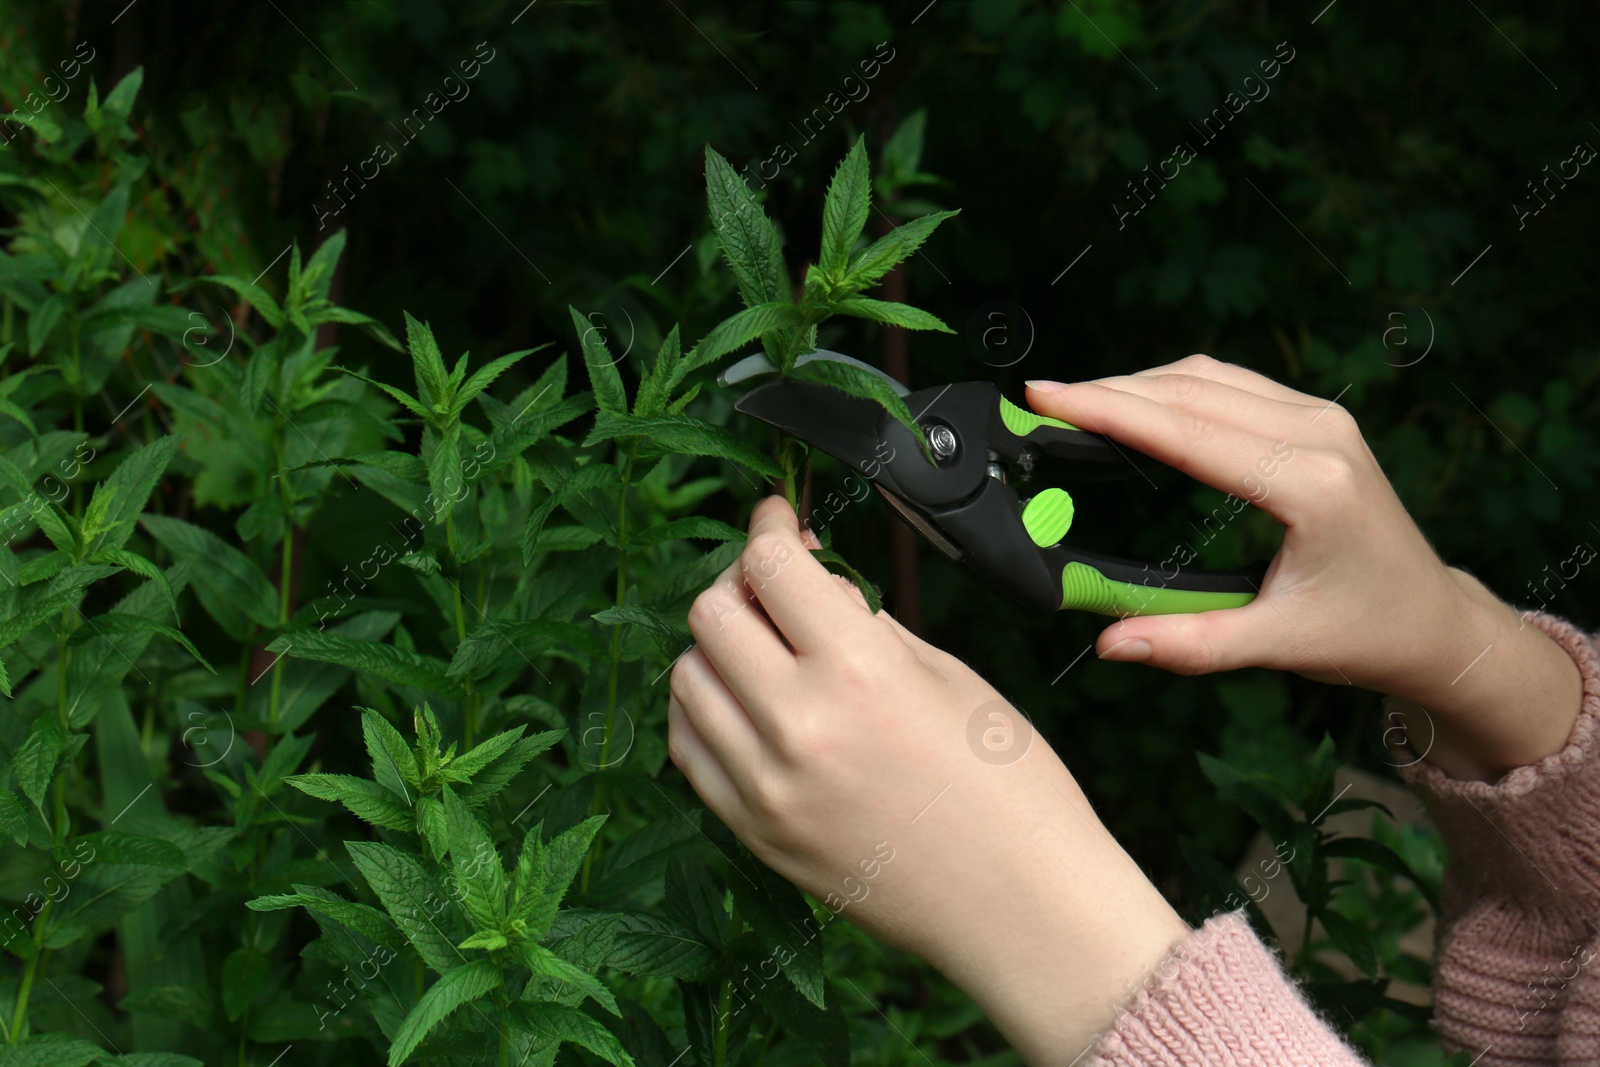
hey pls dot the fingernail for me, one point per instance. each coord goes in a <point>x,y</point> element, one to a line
<point>1046,387</point>
<point>1129,650</point>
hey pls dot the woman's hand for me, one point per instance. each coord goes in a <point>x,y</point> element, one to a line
<point>1356,595</point>
<point>889,780</point>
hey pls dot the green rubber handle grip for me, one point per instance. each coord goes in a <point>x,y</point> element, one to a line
<point>1085,589</point>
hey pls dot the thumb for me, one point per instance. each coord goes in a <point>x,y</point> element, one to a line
<point>1198,643</point>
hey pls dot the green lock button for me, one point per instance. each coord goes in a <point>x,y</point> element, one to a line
<point>1048,516</point>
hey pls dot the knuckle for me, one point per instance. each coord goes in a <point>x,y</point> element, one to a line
<point>764,552</point>
<point>1184,389</point>
<point>706,614</point>
<point>1196,430</point>
<point>1333,478</point>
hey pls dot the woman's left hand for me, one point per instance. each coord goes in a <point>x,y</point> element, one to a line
<point>885,777</point>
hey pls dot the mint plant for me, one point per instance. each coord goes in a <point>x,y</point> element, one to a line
<point>450,907</point>
<point>785,324</point>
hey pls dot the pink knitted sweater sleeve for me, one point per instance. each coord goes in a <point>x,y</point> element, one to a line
<point>1513,982</point>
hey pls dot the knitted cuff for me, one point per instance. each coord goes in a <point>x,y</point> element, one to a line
<point>1221,998</point>
<point>1543,841</point>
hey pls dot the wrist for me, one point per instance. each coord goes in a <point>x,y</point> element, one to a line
<point>1498,695</point>
<point>1056,958</point>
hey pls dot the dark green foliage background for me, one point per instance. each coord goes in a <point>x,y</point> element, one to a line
<point>1390,152</point>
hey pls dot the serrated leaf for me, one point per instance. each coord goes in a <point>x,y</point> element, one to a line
<point>669,638</point>
<point>417,407</point>
<point>740,329</point>
<point>433,382</point>
<point>254,295</point>
<point>115,846</point>
<point>537,901</point>
<point>49,1050</point>
<point>389,662</point>
<point>891,313</point>
<point>693,527</point>
<point>231,588</point>
<point>524,429</point>
<point>35,761</point>
<point>747,237</point>
<point>1251,794</point>
<point>144,568</point>
<point>585,479</point>
<point>604,377</point>
<point>546,964</point>
<point>414,900</point>
<point>485,939</point>
<point>487,645</point>
<point>118,500</point>
<point>364,919</point>
<point>13,818</point>
<point>463,767</point>
<point>480,879</point>
<point>488,782</point>
<point>366,800</point>
<point>683,435</point>
<point>485,376</point>
<point>559,1023</point>
<point>778,915</point>
<point>456,988</point>
<point>844,212</point>
<point>119,623</point>
<point>652,945</point>
<point>866,385</point>
<point>889,251</point>
<point>394,765</point>
<point>664,376</point>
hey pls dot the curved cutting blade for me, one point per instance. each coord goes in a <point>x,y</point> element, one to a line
<point>758,364</point>
<point>844,426</point>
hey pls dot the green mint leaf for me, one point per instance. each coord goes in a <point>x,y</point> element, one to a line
<point>394,765</point>
<point>749,240</point>
<point>665,374</point>
<point>888,252</point>
<point>414,899</point>
<point>740,329</point>
<point>844,213</point>
<point>594,476</point>
<point>479,877</point>
<point>389,662</point>
<point>427,362</point>
<point>119,623</point>
<point>230,586</point>
<point>366,800</point>
<point>459,987</point>
<point>485,375</point>
<point>893,314</point>
<point>604,377</point>
<point>558,1023</point>
<point>684,435</point>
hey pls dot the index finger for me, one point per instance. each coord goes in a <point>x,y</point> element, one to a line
<point>1221,455</point>
<point>800,595</point>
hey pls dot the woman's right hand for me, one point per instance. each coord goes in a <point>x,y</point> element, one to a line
<point>1356,595</point>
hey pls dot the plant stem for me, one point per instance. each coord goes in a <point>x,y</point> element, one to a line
<point>616,661</point>
<point>285,565</point>
<point>469,711</point>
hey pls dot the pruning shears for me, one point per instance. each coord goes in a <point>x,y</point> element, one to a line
<point>966,501</point>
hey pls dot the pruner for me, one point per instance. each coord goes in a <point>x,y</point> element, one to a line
<point>966,501</point>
